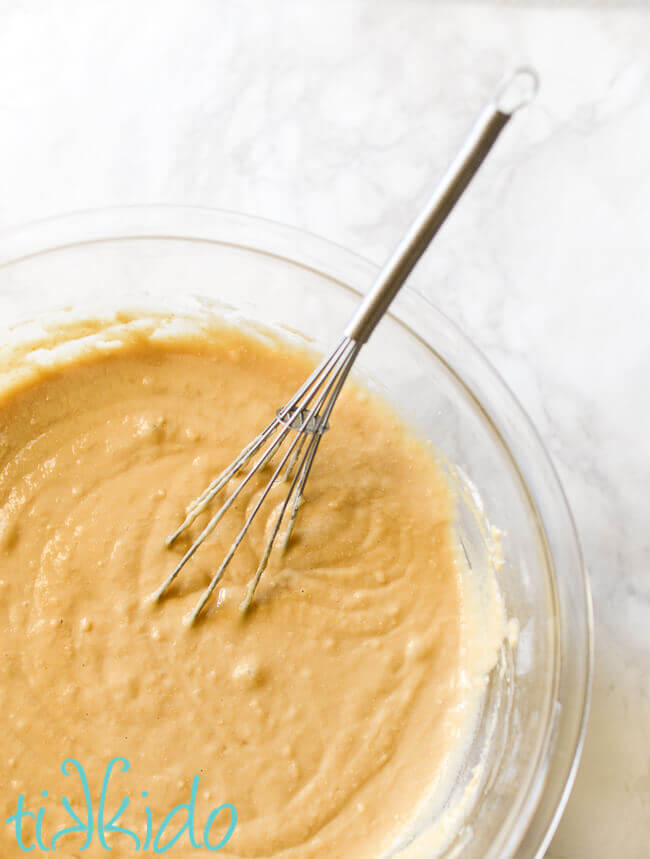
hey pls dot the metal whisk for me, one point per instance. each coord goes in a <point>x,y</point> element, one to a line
<point>302,421</point>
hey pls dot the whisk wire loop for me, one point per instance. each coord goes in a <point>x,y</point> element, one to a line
<point>305,416</point>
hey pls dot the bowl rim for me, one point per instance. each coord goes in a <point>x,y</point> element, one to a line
<point>340,264</point>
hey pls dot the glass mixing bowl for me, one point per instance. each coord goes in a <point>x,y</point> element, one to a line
<point>199,261</point>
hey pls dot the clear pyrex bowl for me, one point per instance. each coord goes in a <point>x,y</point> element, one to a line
<point>199,261</point>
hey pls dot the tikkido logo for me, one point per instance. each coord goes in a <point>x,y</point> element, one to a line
<point>87,824</point>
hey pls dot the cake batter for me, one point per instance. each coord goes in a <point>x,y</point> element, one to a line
<point>327,714</point>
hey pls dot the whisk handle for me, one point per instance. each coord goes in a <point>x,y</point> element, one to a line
<point>515,92</point>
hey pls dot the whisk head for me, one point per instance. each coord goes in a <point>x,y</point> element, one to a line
<point>292,439</point>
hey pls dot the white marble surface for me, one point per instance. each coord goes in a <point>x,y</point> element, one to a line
<point>337,117</point>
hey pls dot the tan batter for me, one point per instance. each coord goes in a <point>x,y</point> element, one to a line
<point>326,715</point>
